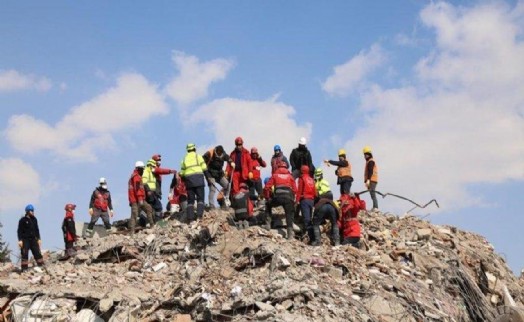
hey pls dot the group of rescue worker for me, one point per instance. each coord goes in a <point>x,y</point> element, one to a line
<point>295,184</point>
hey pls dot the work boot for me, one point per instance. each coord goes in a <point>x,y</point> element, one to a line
<point>316,234</point>
<point>311,235</point>
<point>290,233</point>
<point>190,213</point>
<point>200,210</point>
<point>89,233</point>
<point>246,224</point>
<point>335,235</point>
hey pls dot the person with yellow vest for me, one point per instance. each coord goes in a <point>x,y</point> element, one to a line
<point>150,184</point>
<point>343,172</point>
<point>193,171</point>
<point>322,186</point>
<point>371,175</point>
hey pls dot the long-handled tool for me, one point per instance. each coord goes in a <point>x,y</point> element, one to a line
<point>384,195</point>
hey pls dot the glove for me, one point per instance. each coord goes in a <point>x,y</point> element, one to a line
<point>226,174</point>
<point>250,175</point>
<point>90,211</point>
<point>40,243</point>
<point>368,183</point>
<point>20,244</point>
<point>233,165</point>
<point>111,213</point>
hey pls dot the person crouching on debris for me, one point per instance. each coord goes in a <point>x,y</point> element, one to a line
<point>243,207</point>
<point>69,230</point>
<point>350,205</point>
<point>136,194</point>
<point>282,189</point>
<point>371,175</point>
<point>325,209</point>
<point>100,206</point>
<point>29,238</point>
<point>306,198</point>
<point>177,195</point>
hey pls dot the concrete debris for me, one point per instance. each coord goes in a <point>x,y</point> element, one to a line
<point>405,270</point>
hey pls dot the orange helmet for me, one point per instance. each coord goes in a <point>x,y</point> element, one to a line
<point>239,141</point>
<point>69,207</point>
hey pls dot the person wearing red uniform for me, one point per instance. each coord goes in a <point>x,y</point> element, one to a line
<point>306,197</point>
<point>159,172</point>
<point>177,195</point>
<point>350,205</point>
<point>136,194</point>
<point>255,181</point>
<point>243,207</point>
<point>69,230</point>
<point>239,168</point>
<point>100,206</point>
<point>282,190</point>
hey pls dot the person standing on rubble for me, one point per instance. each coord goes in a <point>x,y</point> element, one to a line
<point>255,181</point>
<point>29,238</point>
<point>277,157</point>
<point>193,171</point>
<point>215,159</point>
<point>100,206</point>
<point>159,172</point>
<point>306,198</point>
<point>136,195</point>
<point>149,180</point>
<point>69,230</point>
<point>238,170</point>
<point>343,172</point>
<point>371,175</point>
<point>322,186</point>
<point>301,156</point>
<point>243,207</point>
<point>325,210</point>
<point>282,190</point>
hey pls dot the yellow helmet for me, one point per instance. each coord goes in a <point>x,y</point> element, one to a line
<point>341,152</point>
<point>366,149</point>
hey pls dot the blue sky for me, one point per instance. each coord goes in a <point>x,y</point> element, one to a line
<point>435,88</point>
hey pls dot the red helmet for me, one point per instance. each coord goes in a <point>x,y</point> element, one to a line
<point>282,164</point>
<point>157,157</point>
<point>69,207</point>
<point>254,150</point>
<point>239,141</point>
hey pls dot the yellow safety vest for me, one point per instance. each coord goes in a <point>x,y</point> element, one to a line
<point>148,178</point>
<point>193,163</point>
<point>322,186</point>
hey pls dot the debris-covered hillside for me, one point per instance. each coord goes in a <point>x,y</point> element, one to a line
<point>406,270</point>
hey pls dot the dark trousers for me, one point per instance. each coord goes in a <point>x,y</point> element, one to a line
<point>289,208</point>
<point>306,207</point>
<point>345,186</point>
<point>373,194</point>
<point>97,213</point>
<point>255,189</point>
<point>135,212</point>
<point>31,244</point>
<point>195,193</point>
<point>325,212</point>
<point>353,241</point>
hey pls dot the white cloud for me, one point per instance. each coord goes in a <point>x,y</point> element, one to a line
<point>462,120</point>
<point>19,184</point>
<point>347,77</point>
<point>229,117</point>
<point>88,127</point>
<point>195,77</point>
<point>12,80</point>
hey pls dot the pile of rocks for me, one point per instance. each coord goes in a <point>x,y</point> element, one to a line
<point>405,270</point>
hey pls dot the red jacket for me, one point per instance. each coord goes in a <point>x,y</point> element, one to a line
<point>136,191</point>
<point>306,185</point>
<point>349,208</point>
<point>254,167</point>
<point>281,178</point>
<point>242,164</point>
<point>178,190</point>
<point>159,172</point>
<point>68,227</point>
<point>350,228</point>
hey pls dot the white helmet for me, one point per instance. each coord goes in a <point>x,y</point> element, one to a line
<point>139,164</point>
<point>302,141</point>
<point>102,180</point>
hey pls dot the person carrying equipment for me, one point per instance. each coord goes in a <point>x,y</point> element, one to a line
<point>215,159</point>
<point>343,172</point>
<point>29,238</point>
<point>277,158</point>
<point>371,175</point>
<point>193,170</point>
<point>301,156</point>
<point>136,195</point>
<point>282,190</point>
<point>322,186</point>
<point>69,230</point>
<point>100,206</point>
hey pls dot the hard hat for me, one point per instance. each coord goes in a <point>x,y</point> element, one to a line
<point>29,207</point>
<point>277,148</point>
<point>254,150</point>
<point>318,172</point>
<point>157,157</point>
<point>302,141</point>
<point>239,141</point>
<point>341,152</point>
<point>190,147</point>
<point>102,180</point>
<point>366,149</point>
<point>139,164</point>
<point>69,207</point>
<point>282,164</point>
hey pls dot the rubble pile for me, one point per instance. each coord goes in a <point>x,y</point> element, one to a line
<point>405,270</point>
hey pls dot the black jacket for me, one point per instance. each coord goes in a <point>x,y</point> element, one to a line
<point>28,228</point>
<point>301,156</point>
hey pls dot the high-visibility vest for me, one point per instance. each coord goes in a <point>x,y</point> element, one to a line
<point>322,186</point>
<point>193,163</point>
<point>344,171</point>
<point>148,178</point>
<point>374,175</point>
